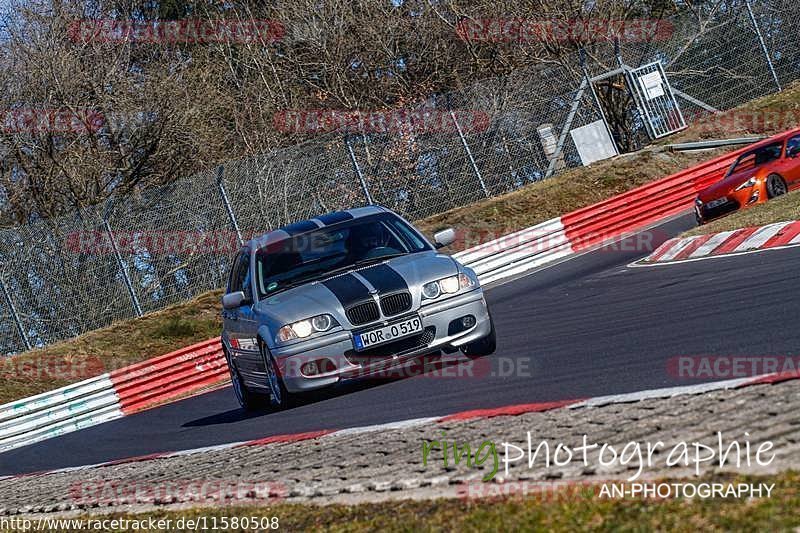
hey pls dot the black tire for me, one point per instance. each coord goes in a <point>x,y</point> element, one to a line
<point>279,396</point>
<point>776,186</point>
<point>249,400</point>
<point>482,347</point>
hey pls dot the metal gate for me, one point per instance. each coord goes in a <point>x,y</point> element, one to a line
<point>655,100</point>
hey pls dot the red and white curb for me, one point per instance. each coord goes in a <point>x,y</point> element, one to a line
<point>726,243</point>
<point>510,410</point>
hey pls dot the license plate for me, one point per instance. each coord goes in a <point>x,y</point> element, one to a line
<point>714,203</point>
<point>377,336</point>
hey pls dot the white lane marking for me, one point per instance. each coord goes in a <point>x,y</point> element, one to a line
<point>403,424</point>
<point>664,393</point>
<point>683,243</point>
<point>757,239</point>
<point>711,244</point>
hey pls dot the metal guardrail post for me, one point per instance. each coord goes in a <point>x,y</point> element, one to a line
<point>467,150</point>
<point>763,44</point>
<point>14,315</point>
<point>224,194</point>
<point>596,99</point>
<point>562,137</point>
<point>122,269</point>
<point>357,170</point>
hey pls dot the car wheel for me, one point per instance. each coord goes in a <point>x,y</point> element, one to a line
<point>484,346</point>
<point>775,186</point>
<point>279,396</point>
<point>249,400</point>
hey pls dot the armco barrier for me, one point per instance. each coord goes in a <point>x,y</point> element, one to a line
<point>112,395</point>
<point>161,379</point>
<point>190,369</point>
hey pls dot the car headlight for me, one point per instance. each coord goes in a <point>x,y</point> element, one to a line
<point>747,184</point>
<point>449,285</point>
<point>303,328</point>
<point>431,290</point>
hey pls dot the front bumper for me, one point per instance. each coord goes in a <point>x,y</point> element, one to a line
<point>346,363</point>
<point>735,200</point>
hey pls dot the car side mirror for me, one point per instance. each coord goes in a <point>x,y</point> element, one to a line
<point>234,300</point>
<point>443,238</point>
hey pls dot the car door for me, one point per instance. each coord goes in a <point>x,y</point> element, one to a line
<point>791,170</point>
<point>230,317</point>
<point>240,324</point>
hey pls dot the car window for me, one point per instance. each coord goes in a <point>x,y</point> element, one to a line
<point>240,275</point>
<point>793,146</point>
<point>320,251</point>
<point>757,157</point>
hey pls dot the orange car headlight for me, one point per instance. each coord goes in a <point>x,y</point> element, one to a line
<point>747,184</point>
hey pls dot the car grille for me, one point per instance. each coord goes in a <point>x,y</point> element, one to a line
<point>388,350</point>
<point>394,304</point>
<point>363,313</point>
<point>720,210</point>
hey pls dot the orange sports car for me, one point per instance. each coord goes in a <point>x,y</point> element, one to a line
<point>769,169</point>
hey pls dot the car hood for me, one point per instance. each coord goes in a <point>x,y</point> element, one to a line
<point>725,186</point>
<point>334,294</point>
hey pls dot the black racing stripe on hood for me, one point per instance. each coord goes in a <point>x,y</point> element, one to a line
<point>384,278</point>
<point>348,289</point>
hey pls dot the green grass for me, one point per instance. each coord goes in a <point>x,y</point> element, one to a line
<point>585,511</point>
<point>780,209</point>
<point>135,340</point>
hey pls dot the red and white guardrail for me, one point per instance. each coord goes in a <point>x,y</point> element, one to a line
<point>202,365</point>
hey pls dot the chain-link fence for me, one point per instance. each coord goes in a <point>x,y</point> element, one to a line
<point>66,276</point>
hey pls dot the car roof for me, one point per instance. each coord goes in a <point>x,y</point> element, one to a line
<point>304,226</point>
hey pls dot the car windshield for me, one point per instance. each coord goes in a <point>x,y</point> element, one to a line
<point>317,253</point>
<point>756,158</point>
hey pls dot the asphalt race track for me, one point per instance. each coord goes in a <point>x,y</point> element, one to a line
<point>590,326</point>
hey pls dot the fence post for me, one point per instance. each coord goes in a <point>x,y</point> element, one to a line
<point>14,315</point>
<point>122,269</point>
<point>223,193</point>
<point>467,149</point>
<point>763,44</point>
<point>357,170</point>
<point>595,98</point>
